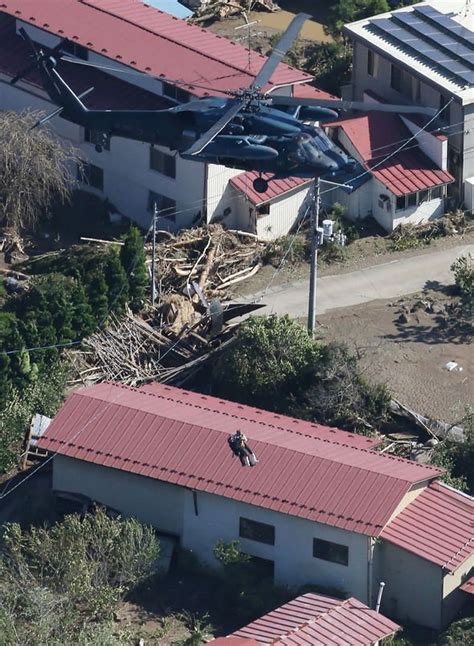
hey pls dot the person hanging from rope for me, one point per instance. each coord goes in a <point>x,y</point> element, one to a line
<point>239,446</point>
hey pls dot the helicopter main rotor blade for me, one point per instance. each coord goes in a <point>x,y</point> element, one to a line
<point>279,51</point>
<point>352,105</point>
<point>109,68</point>
<point>203,141</point>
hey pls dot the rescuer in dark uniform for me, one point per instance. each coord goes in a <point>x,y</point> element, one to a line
<point>240,448</point>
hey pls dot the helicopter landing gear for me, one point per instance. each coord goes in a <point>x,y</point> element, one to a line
<point>260,185</point>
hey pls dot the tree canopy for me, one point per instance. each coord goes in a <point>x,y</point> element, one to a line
<point>345,11</point>
<point>274,364</point>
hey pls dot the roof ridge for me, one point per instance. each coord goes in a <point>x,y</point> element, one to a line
<point>329,441</point>
<point>217,482</point>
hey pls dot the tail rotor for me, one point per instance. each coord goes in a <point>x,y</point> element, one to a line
<point>38,55</point>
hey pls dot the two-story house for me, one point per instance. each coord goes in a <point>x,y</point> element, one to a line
<point>424,54</point>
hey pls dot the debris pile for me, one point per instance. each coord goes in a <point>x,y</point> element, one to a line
<point>211,257</point>
<point>220,9</point>
<point>133,352</point>
<point>412,235</point>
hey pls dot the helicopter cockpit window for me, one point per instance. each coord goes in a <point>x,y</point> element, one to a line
<point>322,141</point>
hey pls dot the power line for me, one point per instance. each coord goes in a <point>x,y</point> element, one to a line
<point>178,341</point>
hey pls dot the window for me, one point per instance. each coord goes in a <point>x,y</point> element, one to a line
<point>396,78</point>
<point>370,62</point>
<point>417,90</point>
<point>436,193</point>
<point>91,175</point>
<point>400,205</point>
<point>411,200</point>
<point>263,209</point>
<point>423,196</point>
<point>443,102</point>
<point>175,93</point>
<point>76,50</point>
<point>97,138</point>
<point>162,162</point>
<point>256,531</point>
<point>328,551</point>
<point>166,206</point>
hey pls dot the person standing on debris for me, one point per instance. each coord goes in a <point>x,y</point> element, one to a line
<point>239,445</point>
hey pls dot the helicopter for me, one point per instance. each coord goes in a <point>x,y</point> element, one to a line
<point>249,130</point>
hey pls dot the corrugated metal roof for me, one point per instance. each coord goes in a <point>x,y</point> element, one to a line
<point>468,586</point>
<point>437,526</point>
<point>318,619</point>
<point>147,39</point>
<point>378,134</point>
<point>276,187</point>
<point>233,641</point>
<point>109,92</point>
<point>178,440</point>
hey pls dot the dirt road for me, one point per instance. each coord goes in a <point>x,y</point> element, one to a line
<point>388,280</point>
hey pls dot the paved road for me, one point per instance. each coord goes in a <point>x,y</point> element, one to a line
<point>388,280</point>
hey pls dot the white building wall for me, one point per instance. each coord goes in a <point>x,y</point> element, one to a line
<point>284,214</point>
<point>292,553</point>
<point>157,503</point>
<point>413,586</point>
<point>429,210</point>
<point>171,509</point>
<point>220,195</point>
<point>435,148</point>
<point>127,174</point>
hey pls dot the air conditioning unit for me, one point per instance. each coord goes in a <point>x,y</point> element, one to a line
<point>384,202</point>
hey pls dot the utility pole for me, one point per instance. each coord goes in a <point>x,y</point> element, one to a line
<point>153,256</point>
<point>314,224</point>
<point>315,242</point>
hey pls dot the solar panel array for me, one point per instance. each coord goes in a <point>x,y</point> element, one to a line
<point>434,39</point>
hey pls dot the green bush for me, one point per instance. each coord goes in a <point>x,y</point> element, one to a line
<point>265,362</point>
<point>57,581</point>
<point>274,364</point>
<point>463,269</point>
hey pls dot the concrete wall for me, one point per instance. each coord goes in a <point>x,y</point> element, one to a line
<point>171,509</point>
<point>293,550</point>
<point>151,501</point>
<point>413,586</point>
<point>221,196</point>
<point>436,148</point>
<point>453,598</point>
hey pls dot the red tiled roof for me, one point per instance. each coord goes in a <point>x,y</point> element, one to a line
<point>147,39</point>
<point>109,92</point>
<point>378,134</point>
<point>171,436</point>
<point>468,586</point>
<point>437,526</point>
<point>276,188</point>
<point>317,619</point>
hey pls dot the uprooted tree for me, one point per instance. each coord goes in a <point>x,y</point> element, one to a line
<point>35,170</point>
